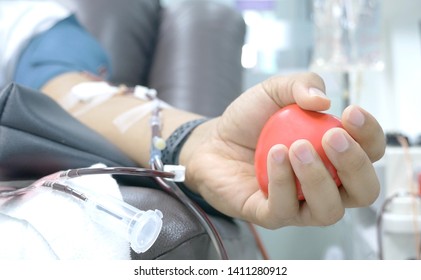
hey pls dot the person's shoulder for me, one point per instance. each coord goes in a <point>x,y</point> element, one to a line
<point>19,22</point>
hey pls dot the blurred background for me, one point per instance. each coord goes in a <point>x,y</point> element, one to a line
<point>369,53</point>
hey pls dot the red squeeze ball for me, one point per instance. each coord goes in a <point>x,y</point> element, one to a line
<point>285,127</point>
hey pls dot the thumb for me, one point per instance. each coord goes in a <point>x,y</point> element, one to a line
<point>305,89</point>
<point>263,100</point>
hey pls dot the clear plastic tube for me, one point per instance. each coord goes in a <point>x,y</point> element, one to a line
<point>139,228</point>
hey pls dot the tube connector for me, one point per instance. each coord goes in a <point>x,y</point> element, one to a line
<point>139,228</point>
<point>179,172</point>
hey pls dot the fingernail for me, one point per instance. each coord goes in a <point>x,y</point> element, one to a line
<point>278,155</point>
<point>316,92</point>
<point>356,117</point>
<point>338,141</point>
<point>303,152</point>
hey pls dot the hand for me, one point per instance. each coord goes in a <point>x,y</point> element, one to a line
<point>220,159</point>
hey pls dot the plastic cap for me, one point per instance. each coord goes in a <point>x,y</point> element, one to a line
<point>145,230</point>
<point>159,143</point>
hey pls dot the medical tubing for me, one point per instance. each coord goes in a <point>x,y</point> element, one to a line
<point>155,121</point>
<point>158,143</point>
<point>73,173</point>
<point>203,218</point>
<point>139,228</point>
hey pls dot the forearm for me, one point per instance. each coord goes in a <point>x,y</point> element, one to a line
<point>135,140</point>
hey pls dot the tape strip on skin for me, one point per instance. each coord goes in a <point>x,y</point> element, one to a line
<point>144,93</point>
<point>92,94</point>
<point>69,101</point>
<point>87,91</point>
<point>126,120</point>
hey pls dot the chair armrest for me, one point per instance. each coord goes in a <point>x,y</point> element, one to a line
<point>197,62</point>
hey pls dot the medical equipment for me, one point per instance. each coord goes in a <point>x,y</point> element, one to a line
<point>140,228</point>
<point>347,41</point>
<point>398,222</point>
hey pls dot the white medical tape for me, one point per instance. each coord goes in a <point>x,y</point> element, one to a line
<point>92,94</point>
<point>87,91</point>
<point>69,101</point>
<point>127,119</point>
<point>94,103</point>
<point>144,93</point>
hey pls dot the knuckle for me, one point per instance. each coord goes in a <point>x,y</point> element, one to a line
<point>378,153</point>
<point>357,162</point>
<point>370,195</point>
<point>314,76</point>
<point>331,216</point>
<point>315,177</point>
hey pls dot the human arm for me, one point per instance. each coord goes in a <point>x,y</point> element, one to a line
<point>135,140</point>
<point>219,154</point>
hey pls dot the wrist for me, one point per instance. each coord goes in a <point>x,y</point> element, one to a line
<point>189,152</point>
<point>176,141</point>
